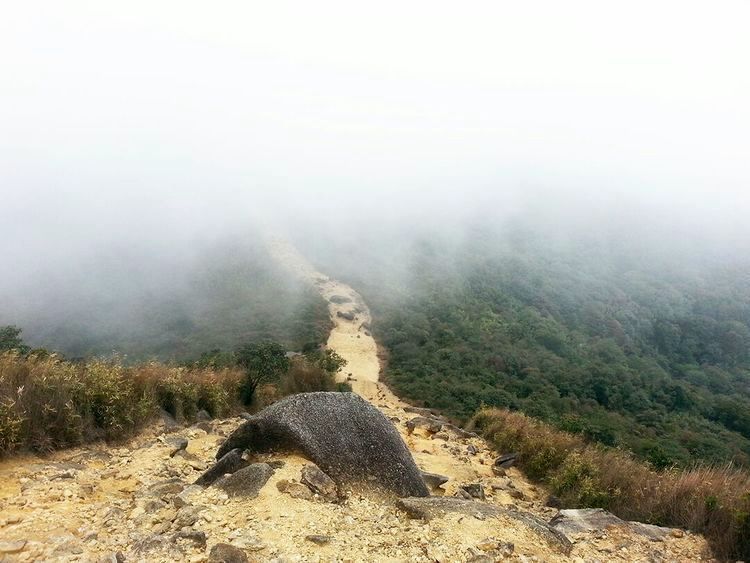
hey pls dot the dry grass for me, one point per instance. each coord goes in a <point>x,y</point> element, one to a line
<point>714,501</point>
<point>47,403</point>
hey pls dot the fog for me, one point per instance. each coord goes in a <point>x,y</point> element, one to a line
<point>144,133</point>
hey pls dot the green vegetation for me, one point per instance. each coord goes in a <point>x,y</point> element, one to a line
<point>47,403</point>
<point>633,347</point>
<point>713,501</point>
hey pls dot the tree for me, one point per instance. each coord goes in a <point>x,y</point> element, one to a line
<point>10,339</point>
<point>262,362</point>
<point>327,360</point>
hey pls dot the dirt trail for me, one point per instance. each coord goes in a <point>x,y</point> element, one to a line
<point>136,502</point>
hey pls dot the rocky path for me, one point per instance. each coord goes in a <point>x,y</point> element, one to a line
<point>137,502</point>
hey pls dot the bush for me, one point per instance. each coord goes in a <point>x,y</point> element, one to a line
<point>713,501</point>
<point>47,403</point>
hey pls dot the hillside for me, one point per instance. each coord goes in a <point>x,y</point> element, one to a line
<point>136,502</point>
<point>634,346</point>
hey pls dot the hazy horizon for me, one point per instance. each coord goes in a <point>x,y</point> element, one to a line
<point>146,132</point>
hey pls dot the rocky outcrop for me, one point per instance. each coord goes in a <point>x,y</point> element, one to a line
<point>572,522</point>
<point>438,507</point>
<point>347,437</point>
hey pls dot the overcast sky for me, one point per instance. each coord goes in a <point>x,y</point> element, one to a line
<point>146,118</point>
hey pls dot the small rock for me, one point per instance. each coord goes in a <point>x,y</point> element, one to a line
<point>225,553</point>
<point>229,463</point>
<point>318,539</point>
<point>433,480</point>
<point>498,471</point>
<point>205,426</point>
<point>168,487</point>
<point>516,494</point>
<point>195,536</point>
<point>488,544</point>
<point>187,516</point>
<point>678,533</point>
<point>202,416</point>
<point>248,481</point>
<point>294,490</point>
<point>461,493</point>
<point>12,546</point>
<point>475,490</point>
<point>471,449</point>
<point>178,444</point>
<point>506,461</point>
<point>428,425</point>
<point>319,482</point>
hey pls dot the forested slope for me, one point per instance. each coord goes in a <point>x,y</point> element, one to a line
<point>629,346</point>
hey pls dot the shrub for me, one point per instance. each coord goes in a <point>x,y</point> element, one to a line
<point>47,403</point>
<point>714,501</point>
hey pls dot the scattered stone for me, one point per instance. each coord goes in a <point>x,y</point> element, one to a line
<point>225,553</point>
<point>195,536</point>
<point>168,420</point>
<point>168,487</point>
<point>348,315</point>
<point>203,416</point>
<point>277,463</point>
<point>69,474</point>
<point>498,471</point>
<point>319,482</point>
<point>318,539</point>
<point>344,435</point>
<point>471,449</point>
<point>429,425</point>
<point>441,436</point>
<point>422,411</point>
<point>246,482</point>
<point>206,426</point>
<point>187,516</point>
<point>475,490</point>
<point>179,444</point>
<point>506,461</point>
<point>461,493</point>
<point>229,462</point>
<point>187,496</point>
<point>295,490</point>
<point>434,480</point>
<point>460,432</point>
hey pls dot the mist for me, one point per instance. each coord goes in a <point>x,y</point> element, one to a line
<point>135,141</point>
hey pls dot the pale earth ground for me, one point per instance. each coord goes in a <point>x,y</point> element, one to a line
<point>87,504</point>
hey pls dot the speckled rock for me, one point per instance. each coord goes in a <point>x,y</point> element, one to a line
<point>347,437</point>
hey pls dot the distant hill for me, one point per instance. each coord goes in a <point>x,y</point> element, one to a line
<point>168,306</point>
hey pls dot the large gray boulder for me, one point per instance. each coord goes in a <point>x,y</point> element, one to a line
<point>348,438</point>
